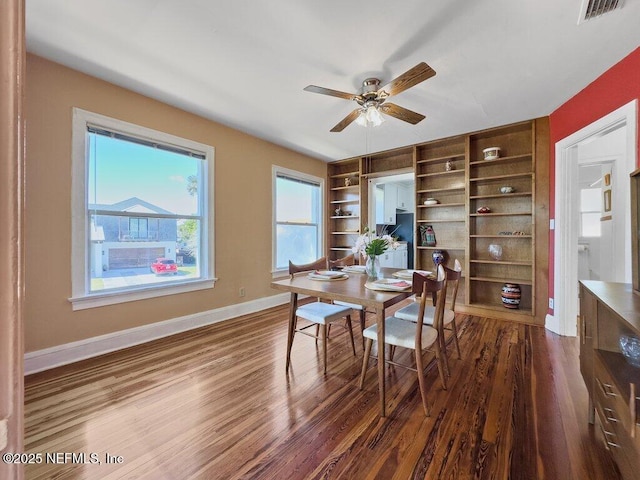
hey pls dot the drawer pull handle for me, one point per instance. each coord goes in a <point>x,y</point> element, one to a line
<point>606,438</point>
<point>607,389</point>
<point>611,415</point>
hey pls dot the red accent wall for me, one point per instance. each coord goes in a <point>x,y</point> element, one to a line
<point>616,87</point>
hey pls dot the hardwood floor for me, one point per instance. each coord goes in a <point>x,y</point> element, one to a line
<point>215,403</point>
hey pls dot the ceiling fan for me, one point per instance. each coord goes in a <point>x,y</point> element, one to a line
<point>373,97</point>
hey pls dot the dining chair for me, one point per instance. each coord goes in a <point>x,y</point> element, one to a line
<point>416,336</point>
<point>348,261</point>
<point>320,314</point>
<point>410,312</point>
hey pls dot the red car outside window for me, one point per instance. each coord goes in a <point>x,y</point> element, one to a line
<point>164,265</point>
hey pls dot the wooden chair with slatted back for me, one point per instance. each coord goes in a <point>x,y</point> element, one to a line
<point>320,314</point>
<point>349,261</point>
<point>410,312</point>
<point>452,283</point>
<point>414,335</point>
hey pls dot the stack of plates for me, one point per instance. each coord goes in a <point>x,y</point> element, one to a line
<point>408,274</point>
<point>327,275</point>
<point>388,285</point>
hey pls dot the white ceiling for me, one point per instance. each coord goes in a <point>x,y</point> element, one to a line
<point>244,63</point>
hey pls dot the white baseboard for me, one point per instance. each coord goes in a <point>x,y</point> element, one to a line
<point>552,324</point>
<point>47,358</point>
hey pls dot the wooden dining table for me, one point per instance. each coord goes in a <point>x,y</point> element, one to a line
<point>351,290</point>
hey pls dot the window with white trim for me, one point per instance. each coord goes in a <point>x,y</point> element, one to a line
<point>590,212</point>
<point>298,233</point>
<point>142,212</point>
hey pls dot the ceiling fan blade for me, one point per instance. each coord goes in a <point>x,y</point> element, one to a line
<point>401,113</point>
<point>346,121</point>
<point>408,79</point>
<point>328,91</point>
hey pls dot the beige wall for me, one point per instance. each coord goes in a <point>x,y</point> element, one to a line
<point>242,206</point>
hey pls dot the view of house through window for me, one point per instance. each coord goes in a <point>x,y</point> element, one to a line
<point>298,218</point>
<point>145,212</point>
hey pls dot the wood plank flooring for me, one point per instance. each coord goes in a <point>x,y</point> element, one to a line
<point>215,403</point>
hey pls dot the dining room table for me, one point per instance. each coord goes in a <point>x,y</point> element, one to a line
<point>351,289</point>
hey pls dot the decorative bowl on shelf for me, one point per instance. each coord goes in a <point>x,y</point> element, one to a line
<point>630,348</point>
<point>491,153</point>
<point>431,201</point>
<point>495,251</point>
<point>483,210</point>
<point>507,189</point>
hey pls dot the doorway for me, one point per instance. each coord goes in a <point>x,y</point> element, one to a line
<point>392,209</point>
<point>608,145</point>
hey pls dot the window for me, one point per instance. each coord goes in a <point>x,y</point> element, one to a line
<point>139,228</point>
<point>140,197</point>
<point>298,233</point>
<point>590,211</point>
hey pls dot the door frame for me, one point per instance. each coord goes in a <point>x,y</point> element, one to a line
<point>563,319</point>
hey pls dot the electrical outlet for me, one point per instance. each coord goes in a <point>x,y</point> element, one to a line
<point>551,303</point>
<point>241,292</point>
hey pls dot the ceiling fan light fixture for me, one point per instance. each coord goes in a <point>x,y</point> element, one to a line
<point>369,115</point>
<point>362,118</point>
<point>374,117</point>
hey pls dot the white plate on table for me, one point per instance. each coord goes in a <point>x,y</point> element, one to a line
<point>327,275</point>
<point>388,285</point>
<point>408,274</point>
<point>354,269</point>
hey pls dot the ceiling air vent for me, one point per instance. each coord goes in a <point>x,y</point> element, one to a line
<point>594,8</point>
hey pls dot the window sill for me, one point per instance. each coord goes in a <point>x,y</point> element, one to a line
<point>112,298</point>
<point>278,274</point>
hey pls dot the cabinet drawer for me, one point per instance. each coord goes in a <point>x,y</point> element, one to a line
<point>614,443</point>
<point>614,403</point>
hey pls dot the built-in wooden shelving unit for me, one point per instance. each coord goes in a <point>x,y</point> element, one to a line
<point>454,172</point>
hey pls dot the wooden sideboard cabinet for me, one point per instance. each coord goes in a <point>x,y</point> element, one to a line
<point>607,311</point>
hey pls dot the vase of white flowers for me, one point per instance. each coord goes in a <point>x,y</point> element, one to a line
<point>371,246</point>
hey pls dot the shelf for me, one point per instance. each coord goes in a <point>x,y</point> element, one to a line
<point>440,205</point>
<point>355,200</point>
<point>519,281</point>
<point>341,249</point>
<point>450,220</point>
<point>345,175</point>
<point>501,262</point>
<point>345,216</point>
<point>501,177</point>
<point>441,159</point>
<point>441,247</point>
<point>500,195</point>
<point>501,160</point>
<point>350,187</point>
<point>501,236</point>
<point>436,190</point>
<point>513,214</point>
<point>345,233</point>
<point>510,311</point>
<point>439,174</point>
